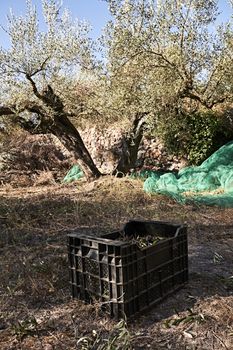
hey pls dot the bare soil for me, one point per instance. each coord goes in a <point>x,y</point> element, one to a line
<point>36,308</point>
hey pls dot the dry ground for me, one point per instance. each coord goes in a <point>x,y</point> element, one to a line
<point>36,309</point>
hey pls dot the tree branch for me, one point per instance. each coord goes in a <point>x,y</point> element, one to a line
<point>34,88</point>
<point>204,102</point>
<point>7,110</point>
<point>158,54</point>
<point>41,68</point>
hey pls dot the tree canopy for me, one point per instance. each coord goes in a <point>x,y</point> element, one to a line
<point>37,58</point>
<point>169,59</point>
<point>161,51</point>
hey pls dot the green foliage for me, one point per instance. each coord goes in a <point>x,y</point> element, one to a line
<point>192,317</point>
<point>25,328</point>
<point>118,339</point>
<point>195,136</point>
<point>227,282</point>
<point>37,58</point>
<point>163,54</point>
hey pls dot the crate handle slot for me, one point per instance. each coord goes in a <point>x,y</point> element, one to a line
<point>178,231</point>
<point>92,254</point>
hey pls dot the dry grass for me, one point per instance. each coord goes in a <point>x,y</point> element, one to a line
<point>37,311</point>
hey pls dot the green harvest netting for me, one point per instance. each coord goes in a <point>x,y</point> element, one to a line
<point>75,173</point>
<point>211,183</point>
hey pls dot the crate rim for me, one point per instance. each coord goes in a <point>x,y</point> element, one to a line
<point>103,240</point>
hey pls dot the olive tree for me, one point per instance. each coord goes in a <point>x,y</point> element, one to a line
<point>38,76</point>
<point>164,57</point>
<point>170,48</point>
<point>159,58</point>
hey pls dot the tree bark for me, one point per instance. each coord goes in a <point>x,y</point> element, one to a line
<point>65,131</point>
<point>130,146</point>
<point>69,136</point>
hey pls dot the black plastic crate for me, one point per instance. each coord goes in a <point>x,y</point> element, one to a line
<point>124,278</point>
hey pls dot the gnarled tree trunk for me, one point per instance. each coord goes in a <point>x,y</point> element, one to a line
<point>71,139</point>
<point>130,146</point>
